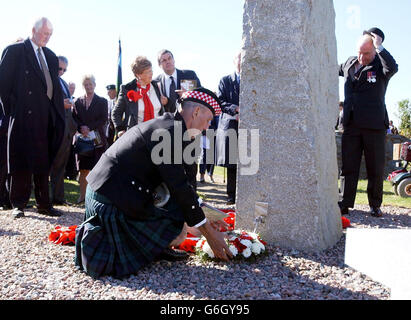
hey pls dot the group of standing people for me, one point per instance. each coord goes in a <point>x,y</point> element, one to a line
<point>41,120</point>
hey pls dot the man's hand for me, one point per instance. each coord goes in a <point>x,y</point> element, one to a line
<point>67,104</point>
<point>217,225</point>
<point>216,241</point>
<point>120,133</point>
<point>164,100</point>
<point>376,39</point>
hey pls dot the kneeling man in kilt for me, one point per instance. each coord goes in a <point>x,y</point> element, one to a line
<point>123,228</point>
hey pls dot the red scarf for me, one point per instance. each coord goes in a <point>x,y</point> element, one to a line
<point>142,93</point>
<point>148,106</point>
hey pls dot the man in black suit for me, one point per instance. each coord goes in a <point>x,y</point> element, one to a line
<point>365,119</point>
<point>170,83</point>
<point>58,168</point>
<point>229,95</point>
<point>32,99</point>
<point>171,78</point>
<point>125,229</point>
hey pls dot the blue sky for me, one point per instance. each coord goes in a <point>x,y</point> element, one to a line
<point>203,35</point>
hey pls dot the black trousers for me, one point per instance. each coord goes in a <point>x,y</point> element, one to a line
<point>20,189</point>
<point>231,181</point>
<point>4,194</point>
<point>355,142</point>
<point>57,172</point>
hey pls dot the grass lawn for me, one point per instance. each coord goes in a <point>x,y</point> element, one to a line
<point>389,199</point>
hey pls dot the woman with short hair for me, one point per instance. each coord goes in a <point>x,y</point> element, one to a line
<point>139,100</point>
<point>90,114</point>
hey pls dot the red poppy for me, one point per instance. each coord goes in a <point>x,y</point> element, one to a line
<point>345,222</point>
<point>64,236</point>
<point>188,245</point>
<point>134,96</point>
<point>240,247</point>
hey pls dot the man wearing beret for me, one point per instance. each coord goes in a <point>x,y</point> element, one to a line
<point>365,119</point>
<point>124,228</point>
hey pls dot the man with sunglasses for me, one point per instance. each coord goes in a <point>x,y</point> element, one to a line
<point>58,168</point>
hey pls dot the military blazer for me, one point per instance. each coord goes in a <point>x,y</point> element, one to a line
<point>364,105</point>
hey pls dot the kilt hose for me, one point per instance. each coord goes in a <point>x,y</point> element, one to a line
<point>109,243</point>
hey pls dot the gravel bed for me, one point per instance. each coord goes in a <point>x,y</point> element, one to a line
<point>33,268</point>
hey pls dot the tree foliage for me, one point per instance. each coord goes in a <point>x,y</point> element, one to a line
<point>404,109</point>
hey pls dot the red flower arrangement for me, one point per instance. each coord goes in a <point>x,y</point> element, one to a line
<point>134,96</point>
<point>63,235</point>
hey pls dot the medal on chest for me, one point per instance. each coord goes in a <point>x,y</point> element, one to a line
<point>371,77</point>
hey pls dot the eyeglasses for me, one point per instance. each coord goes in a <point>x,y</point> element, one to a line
<point>61,69</point>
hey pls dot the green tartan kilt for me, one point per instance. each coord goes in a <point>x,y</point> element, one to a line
<point>108,243</point>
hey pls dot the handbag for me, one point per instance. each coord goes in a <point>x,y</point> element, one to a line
<point>84,147</point>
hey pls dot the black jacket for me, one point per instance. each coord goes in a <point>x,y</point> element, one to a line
<point>181,75</point>
<point>125,113</point>
<point>127,176</point>
<point>36,124</point>
<point>364,105</point>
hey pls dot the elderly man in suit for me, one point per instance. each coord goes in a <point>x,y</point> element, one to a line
<point>32,99</point>
<point>365,119</point>
<point>58,168</point>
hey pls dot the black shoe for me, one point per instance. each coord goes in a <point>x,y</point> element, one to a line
<point>17,213</point>
<point>344,210</point>
<point>230,202</point>
<point>50,212</point>
<point>5,207</point>
<point>376,212</point>
<point>172,255</point>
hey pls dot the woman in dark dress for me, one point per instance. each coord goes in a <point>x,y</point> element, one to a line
<point>90,114</point>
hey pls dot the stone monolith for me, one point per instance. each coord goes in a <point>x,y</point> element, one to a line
<point>289,92</point>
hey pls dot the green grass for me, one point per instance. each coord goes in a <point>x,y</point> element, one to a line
<point>389,198</point>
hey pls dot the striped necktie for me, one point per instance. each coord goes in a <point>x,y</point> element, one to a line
<point>46,73</point>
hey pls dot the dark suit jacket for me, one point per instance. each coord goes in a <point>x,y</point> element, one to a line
<point>125,113</point>
<point>181,75</point>
<point>127,176</point>
<point>36,125</point>
<point>71,126</point>
<point>229,95</point>
<point>364,105</point>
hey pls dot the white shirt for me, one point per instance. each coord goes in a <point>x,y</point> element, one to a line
<point>154,100</point>
<point>35,48</point>
<point>167,82</point>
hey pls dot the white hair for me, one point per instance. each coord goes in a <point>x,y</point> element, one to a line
<point>41,22</point>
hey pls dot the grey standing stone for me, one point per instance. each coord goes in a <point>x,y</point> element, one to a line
<point>289,91</point>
